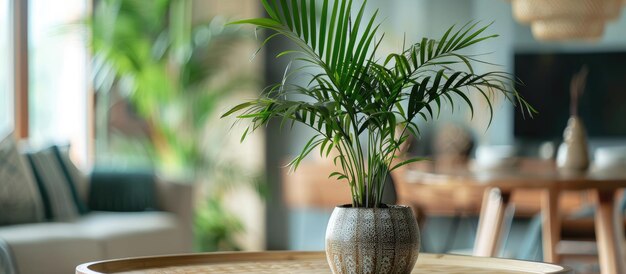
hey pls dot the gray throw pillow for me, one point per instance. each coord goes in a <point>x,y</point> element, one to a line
<point>77,177</point>
<point>19,197</point>
<point>54,186</point>
<point>75,180</point>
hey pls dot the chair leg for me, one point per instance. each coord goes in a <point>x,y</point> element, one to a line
<point>509,215</point>
<point>490,224</point>
<point>609,233</point>
<point>551,229</point>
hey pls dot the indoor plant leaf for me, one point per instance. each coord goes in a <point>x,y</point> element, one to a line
<point>355,97</point>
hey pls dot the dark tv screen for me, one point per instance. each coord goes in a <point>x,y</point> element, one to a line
<point>546,86</point>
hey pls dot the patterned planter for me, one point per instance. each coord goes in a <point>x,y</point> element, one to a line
<point>372,240</point>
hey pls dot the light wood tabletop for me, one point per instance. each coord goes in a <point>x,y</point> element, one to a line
<point>303,263</point>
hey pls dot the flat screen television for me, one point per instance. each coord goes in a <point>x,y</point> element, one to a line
<point>546,80</point>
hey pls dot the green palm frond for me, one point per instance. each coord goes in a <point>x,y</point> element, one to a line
<point>354,94</point>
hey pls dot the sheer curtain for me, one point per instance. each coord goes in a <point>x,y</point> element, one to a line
<point>58,63</point>
<point>6,82</point>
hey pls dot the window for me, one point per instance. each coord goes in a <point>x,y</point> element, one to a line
<point>6,56</point>
<point>58,76</point>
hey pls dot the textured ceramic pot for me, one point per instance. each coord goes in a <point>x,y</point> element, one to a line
<point>372,240</point>
<point>573,154</point>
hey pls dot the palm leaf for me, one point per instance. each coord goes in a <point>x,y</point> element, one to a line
<point>354,95</point>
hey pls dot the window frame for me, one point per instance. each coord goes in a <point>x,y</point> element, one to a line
<point>20,76</point>
<point>20,68</point>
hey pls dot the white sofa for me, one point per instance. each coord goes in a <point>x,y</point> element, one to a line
<point>58,247</point>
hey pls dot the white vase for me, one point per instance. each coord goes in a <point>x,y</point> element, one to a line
<point>573,153</point>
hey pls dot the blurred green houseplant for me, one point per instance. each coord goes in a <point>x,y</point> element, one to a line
<point>165,66</point>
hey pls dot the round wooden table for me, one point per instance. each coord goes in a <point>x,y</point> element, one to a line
<point>303,263</point>
<point>498,185</point>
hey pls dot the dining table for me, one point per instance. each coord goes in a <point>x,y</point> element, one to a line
<point>498,185</point>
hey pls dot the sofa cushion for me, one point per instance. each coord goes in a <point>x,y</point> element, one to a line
<point>57,247</point>
<point>7,266</point>
<point>53,185</point>
<point>130,234</point>
<point>19,197</point>
<point>49,247</point>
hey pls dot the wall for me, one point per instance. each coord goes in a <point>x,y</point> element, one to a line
<point>614,39</point>
<point>430,18</point>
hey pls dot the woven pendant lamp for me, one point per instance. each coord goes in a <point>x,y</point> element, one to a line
<point>567,19</point>
<point>566,29</point>
<point>614,9</point>
<point>528,11</point>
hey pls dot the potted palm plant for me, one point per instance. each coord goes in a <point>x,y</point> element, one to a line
<point>357,99</point>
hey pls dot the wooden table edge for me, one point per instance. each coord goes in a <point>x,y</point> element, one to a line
<point>138,263</point>
<point>194,258</point>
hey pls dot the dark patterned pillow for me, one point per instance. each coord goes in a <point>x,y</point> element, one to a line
<point>77,182</point>
<point>122,191</point>
<point>19,199</point>
<point>53,184</point>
